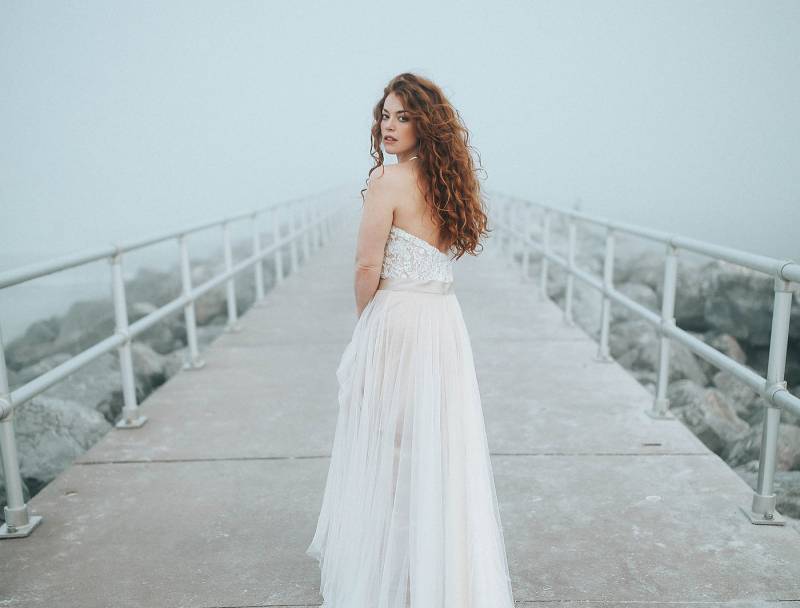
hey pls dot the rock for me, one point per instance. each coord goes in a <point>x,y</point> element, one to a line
<point>52,432</point>
<point>628,335</point>
<point>586,308</point>
<point>725,343</point>
<point>738,301</point>
<point>645,267</point>
<point>640,293</point>
<point>13,380</point>
<point>690,293</point>
<point>647,379</point>
<point>155,287</point>
<point>788,452</point>
<point>83,325</point>
<point>91,387</point>
<point>97,385</point>
<point>744,400</point>
<point>138,310</point>
<point>708,414</point>
<point>728,345</point>
<point>210,305</point>
<point>35,370</point>
<point>645,354</point>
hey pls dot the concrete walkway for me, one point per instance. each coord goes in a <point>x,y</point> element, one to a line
<point>213,502</point>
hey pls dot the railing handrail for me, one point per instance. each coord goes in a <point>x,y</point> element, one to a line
<point>27,272</point>
<point>772,388</point>
<point>37,385</point>
<point>786,269</point>
<point>19,522</point>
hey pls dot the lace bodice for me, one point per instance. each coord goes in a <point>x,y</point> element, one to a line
<point>408,256</point>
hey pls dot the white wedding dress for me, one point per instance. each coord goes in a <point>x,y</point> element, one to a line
<point>409,515</point>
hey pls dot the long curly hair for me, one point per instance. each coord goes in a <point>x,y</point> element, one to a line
<point>448,172</point>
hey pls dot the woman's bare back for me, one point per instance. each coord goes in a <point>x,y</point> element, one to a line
<point>412,213</point>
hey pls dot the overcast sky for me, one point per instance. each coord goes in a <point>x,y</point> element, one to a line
<point>119,119</point>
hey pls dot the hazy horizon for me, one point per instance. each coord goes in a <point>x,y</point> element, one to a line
<point>123,119</point>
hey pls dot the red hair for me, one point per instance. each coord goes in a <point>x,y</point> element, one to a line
<point>450,185</point>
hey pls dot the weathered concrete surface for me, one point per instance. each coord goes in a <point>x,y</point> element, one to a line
<point>213,502</point>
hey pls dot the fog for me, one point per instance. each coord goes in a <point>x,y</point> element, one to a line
<point>122,119</point>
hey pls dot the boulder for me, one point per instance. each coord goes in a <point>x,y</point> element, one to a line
<point>52,432</point>
<point>708,414</point>
<point>645,354</point>
<point>748,447</point>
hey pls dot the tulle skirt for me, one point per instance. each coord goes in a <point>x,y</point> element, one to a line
<point>409,515</point>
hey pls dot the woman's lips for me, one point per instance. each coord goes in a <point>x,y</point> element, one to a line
<point>389,140</point>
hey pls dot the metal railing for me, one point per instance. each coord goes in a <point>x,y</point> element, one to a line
<point>306,220</point>
<point>513,218</point>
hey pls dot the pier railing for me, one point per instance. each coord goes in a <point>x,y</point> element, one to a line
<point>516,220</point>
<point>303,222</point>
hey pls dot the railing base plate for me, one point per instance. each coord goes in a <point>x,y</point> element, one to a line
<point>20,531</point>
<point>759,519</point>
<point>660,416</point>
<point>132,424</point>
<point>196,364</point>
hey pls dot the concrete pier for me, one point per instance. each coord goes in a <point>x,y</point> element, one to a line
<point>212,503</point>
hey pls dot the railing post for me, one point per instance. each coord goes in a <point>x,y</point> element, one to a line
<point>526,251</point>
<point>276,237</point>
<point>320,230</point>
<point>194,361</point>
<point>230,286</point>
<point>603,354</point>
<point>293,236</point>
<point>763,507</point>
<point>545,253</point>
<point>327,229</point>
<point>660,409</point>
<point>314,232</point>
<point>571,266</point>
<point>259,266</point>
<point>19,521</point>
<point>131,417</point>
<point>514,224</point>
<point>306,222</point>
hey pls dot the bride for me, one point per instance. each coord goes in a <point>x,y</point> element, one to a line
<point>409,514</point>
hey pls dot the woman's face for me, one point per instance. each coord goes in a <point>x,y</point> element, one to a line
<point>397,131</point>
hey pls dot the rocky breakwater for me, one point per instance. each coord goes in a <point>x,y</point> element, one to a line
<point>725,306</point>
<point>63,422</point>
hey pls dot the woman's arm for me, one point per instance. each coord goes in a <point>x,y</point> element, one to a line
<point>376,221</point>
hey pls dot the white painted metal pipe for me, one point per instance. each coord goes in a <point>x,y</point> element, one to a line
<point>293,235</point>
<point>545,255</point>
<point>258,268</point>
<point>603,353</point>
<point>194,361</point>
<point>131,417</point>
<point>660,407</point>
<point>230,286</point>
<point>276,240</point>
<point>571,272</point>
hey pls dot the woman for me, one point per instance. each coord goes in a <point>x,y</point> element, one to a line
<point>409,515</point>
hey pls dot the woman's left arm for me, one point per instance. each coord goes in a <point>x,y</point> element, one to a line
<point>376,221</point>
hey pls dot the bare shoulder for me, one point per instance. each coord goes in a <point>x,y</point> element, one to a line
<point>389,185</point>
<point>388,176</point>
